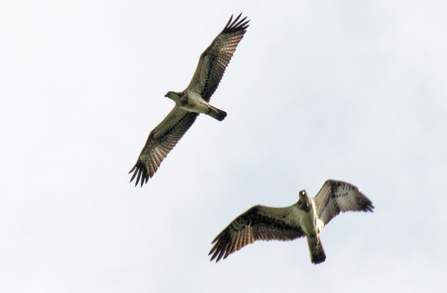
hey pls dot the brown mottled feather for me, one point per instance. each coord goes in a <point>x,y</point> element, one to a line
<point>338,196</point>
<point>215,59</point>
<point>160,142</point>
<point>254,225</point>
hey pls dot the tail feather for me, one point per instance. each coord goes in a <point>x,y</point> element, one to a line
<point>216,113</point>
<point>316,250</point>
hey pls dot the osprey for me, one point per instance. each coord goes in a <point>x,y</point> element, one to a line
<point>305,218</point>
<point>190,102</point>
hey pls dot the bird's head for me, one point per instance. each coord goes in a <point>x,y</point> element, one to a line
<point>304,202</point>
<point>303,195</point>
<point>173,96</point>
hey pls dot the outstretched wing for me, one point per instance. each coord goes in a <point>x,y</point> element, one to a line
<point>214,60</point>
<point>338,196</point>
<point>258,223</point>
<point>160,142</point>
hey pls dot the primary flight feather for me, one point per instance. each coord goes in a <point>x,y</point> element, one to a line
<point>192,101</point>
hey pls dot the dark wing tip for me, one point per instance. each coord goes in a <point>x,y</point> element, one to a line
<point>236,24</point>
<point>140,173</point>
<point>221,247</point>
<point>230,239</point>
<point>368,207</point>
<point>364,202</point>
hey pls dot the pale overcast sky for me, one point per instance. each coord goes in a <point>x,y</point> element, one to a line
<point>316,90</point>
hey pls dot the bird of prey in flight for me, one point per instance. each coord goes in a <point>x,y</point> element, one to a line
<point>192,101</point>
<point>305,218</point>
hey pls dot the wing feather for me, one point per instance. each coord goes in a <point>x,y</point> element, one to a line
<point>258,223</point>
<point>214,60</point>
<point>160,142</point>
<point>338,196</point>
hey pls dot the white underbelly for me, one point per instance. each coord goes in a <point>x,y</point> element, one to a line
<point>196,103</point>
<point>308,225</point>
<point>306,222</point>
